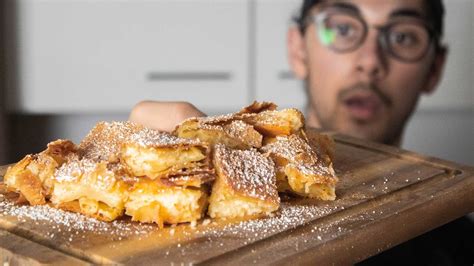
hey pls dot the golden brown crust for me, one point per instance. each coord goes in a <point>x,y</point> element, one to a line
<point>99,192</point>
<point>196,179</point>
<point>257,107</point>
<point>275,123</point>
<point>222,129</point>
<point>244,129</point>
<point>301,169</point>
<point>158,202</point>
<point>247,172</point>
<point>105,140</point>
<point>30,187</point>
<point>163,178</point>
<point>298,152</point>
<point>245,133</point>
<point>31,177</point>
<point>323,145</point>
<point>160,155</point>
<point>150,138</point>
<point>245,187</point>
<point>60,150</point>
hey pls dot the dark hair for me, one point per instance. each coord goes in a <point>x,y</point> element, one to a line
<point>434,8</point>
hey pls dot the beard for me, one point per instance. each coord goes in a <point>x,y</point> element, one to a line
<point>367,87</point>
<point>386,128</point>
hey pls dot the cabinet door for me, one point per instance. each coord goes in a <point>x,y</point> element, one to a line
<point>95,56</point>
<point>275,81</point>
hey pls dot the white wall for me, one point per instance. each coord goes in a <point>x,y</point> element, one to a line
<point>443,125</point>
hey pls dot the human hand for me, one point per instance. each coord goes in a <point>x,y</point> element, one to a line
<point>163,116</point>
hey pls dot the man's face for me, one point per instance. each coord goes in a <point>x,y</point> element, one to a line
<point>365,92</point>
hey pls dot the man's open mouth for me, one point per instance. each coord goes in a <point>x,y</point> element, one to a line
<point>363,106</point>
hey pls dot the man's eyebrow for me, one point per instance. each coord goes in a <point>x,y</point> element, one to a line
<point>407,12</point>
<point>343,5</point>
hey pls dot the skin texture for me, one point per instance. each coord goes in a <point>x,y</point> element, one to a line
<point>334,79</point>
<point>368,72</point>
<point>163,116</point>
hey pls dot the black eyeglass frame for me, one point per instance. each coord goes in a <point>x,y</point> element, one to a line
<point>383,36</point>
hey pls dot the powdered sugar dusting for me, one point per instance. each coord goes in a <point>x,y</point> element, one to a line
<point>72,170</point>
<point>218,119</point>
<point>105,140</point>
<point>75,224</point>
<point>209,120</point>
<point>244,132</point>
<point>287,217</point>
<point>67,227</point>
<point>153,138</point>
<point>247,171</point>
<point>299,153</point>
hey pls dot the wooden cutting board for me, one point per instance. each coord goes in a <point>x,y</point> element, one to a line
<point>385,196</point>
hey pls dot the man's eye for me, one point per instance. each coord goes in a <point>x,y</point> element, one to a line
<point>344,30</point>
<point>403,38</point>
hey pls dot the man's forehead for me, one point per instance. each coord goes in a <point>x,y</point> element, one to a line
<point>379,11</point>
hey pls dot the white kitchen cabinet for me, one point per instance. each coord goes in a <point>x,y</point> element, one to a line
<point>81,60</point>
<point>274,80</point>
<point>77,56</point>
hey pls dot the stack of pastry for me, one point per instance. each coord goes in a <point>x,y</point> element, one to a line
<point>232,166</point>
<point>301,168</point>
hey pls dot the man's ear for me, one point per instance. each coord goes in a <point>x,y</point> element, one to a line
<point>297,53</point>
<point>436,71</point>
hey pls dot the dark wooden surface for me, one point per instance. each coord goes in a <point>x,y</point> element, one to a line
<point>385,196</point>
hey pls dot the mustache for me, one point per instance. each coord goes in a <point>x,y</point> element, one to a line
<point>364,86</point>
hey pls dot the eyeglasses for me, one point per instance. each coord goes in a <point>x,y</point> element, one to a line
<point>342,32</point>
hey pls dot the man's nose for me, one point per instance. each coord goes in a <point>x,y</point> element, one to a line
<point>371,60</point>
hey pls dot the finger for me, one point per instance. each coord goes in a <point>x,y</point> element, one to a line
<point>163,116</point>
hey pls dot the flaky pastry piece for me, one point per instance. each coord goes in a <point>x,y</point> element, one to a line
<point>272,123</point>
<point>161,203</point>
<point>157,154</point>
<point>228,129</point>
<point>300,169</point>
<point>220,129</point>
<point>245,185</point>
<point>195,179</point>
<point>244,129</point>
<point>105,140</point>
<point>95,189</point>
<point>264,117</point>
<point>257,107</point>
<point>91,179</point>
<point>323,145</point>
<point>31,176</point>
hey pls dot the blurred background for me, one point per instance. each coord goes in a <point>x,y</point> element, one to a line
<point>67,64</point>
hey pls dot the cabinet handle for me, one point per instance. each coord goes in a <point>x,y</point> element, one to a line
<point>286,75</point>
<point>188,76</point>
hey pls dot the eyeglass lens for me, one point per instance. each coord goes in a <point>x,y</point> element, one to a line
<point>344,32</point>
<point>407,41</point>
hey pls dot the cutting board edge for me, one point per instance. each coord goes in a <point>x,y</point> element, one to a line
<point>463,188</point>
